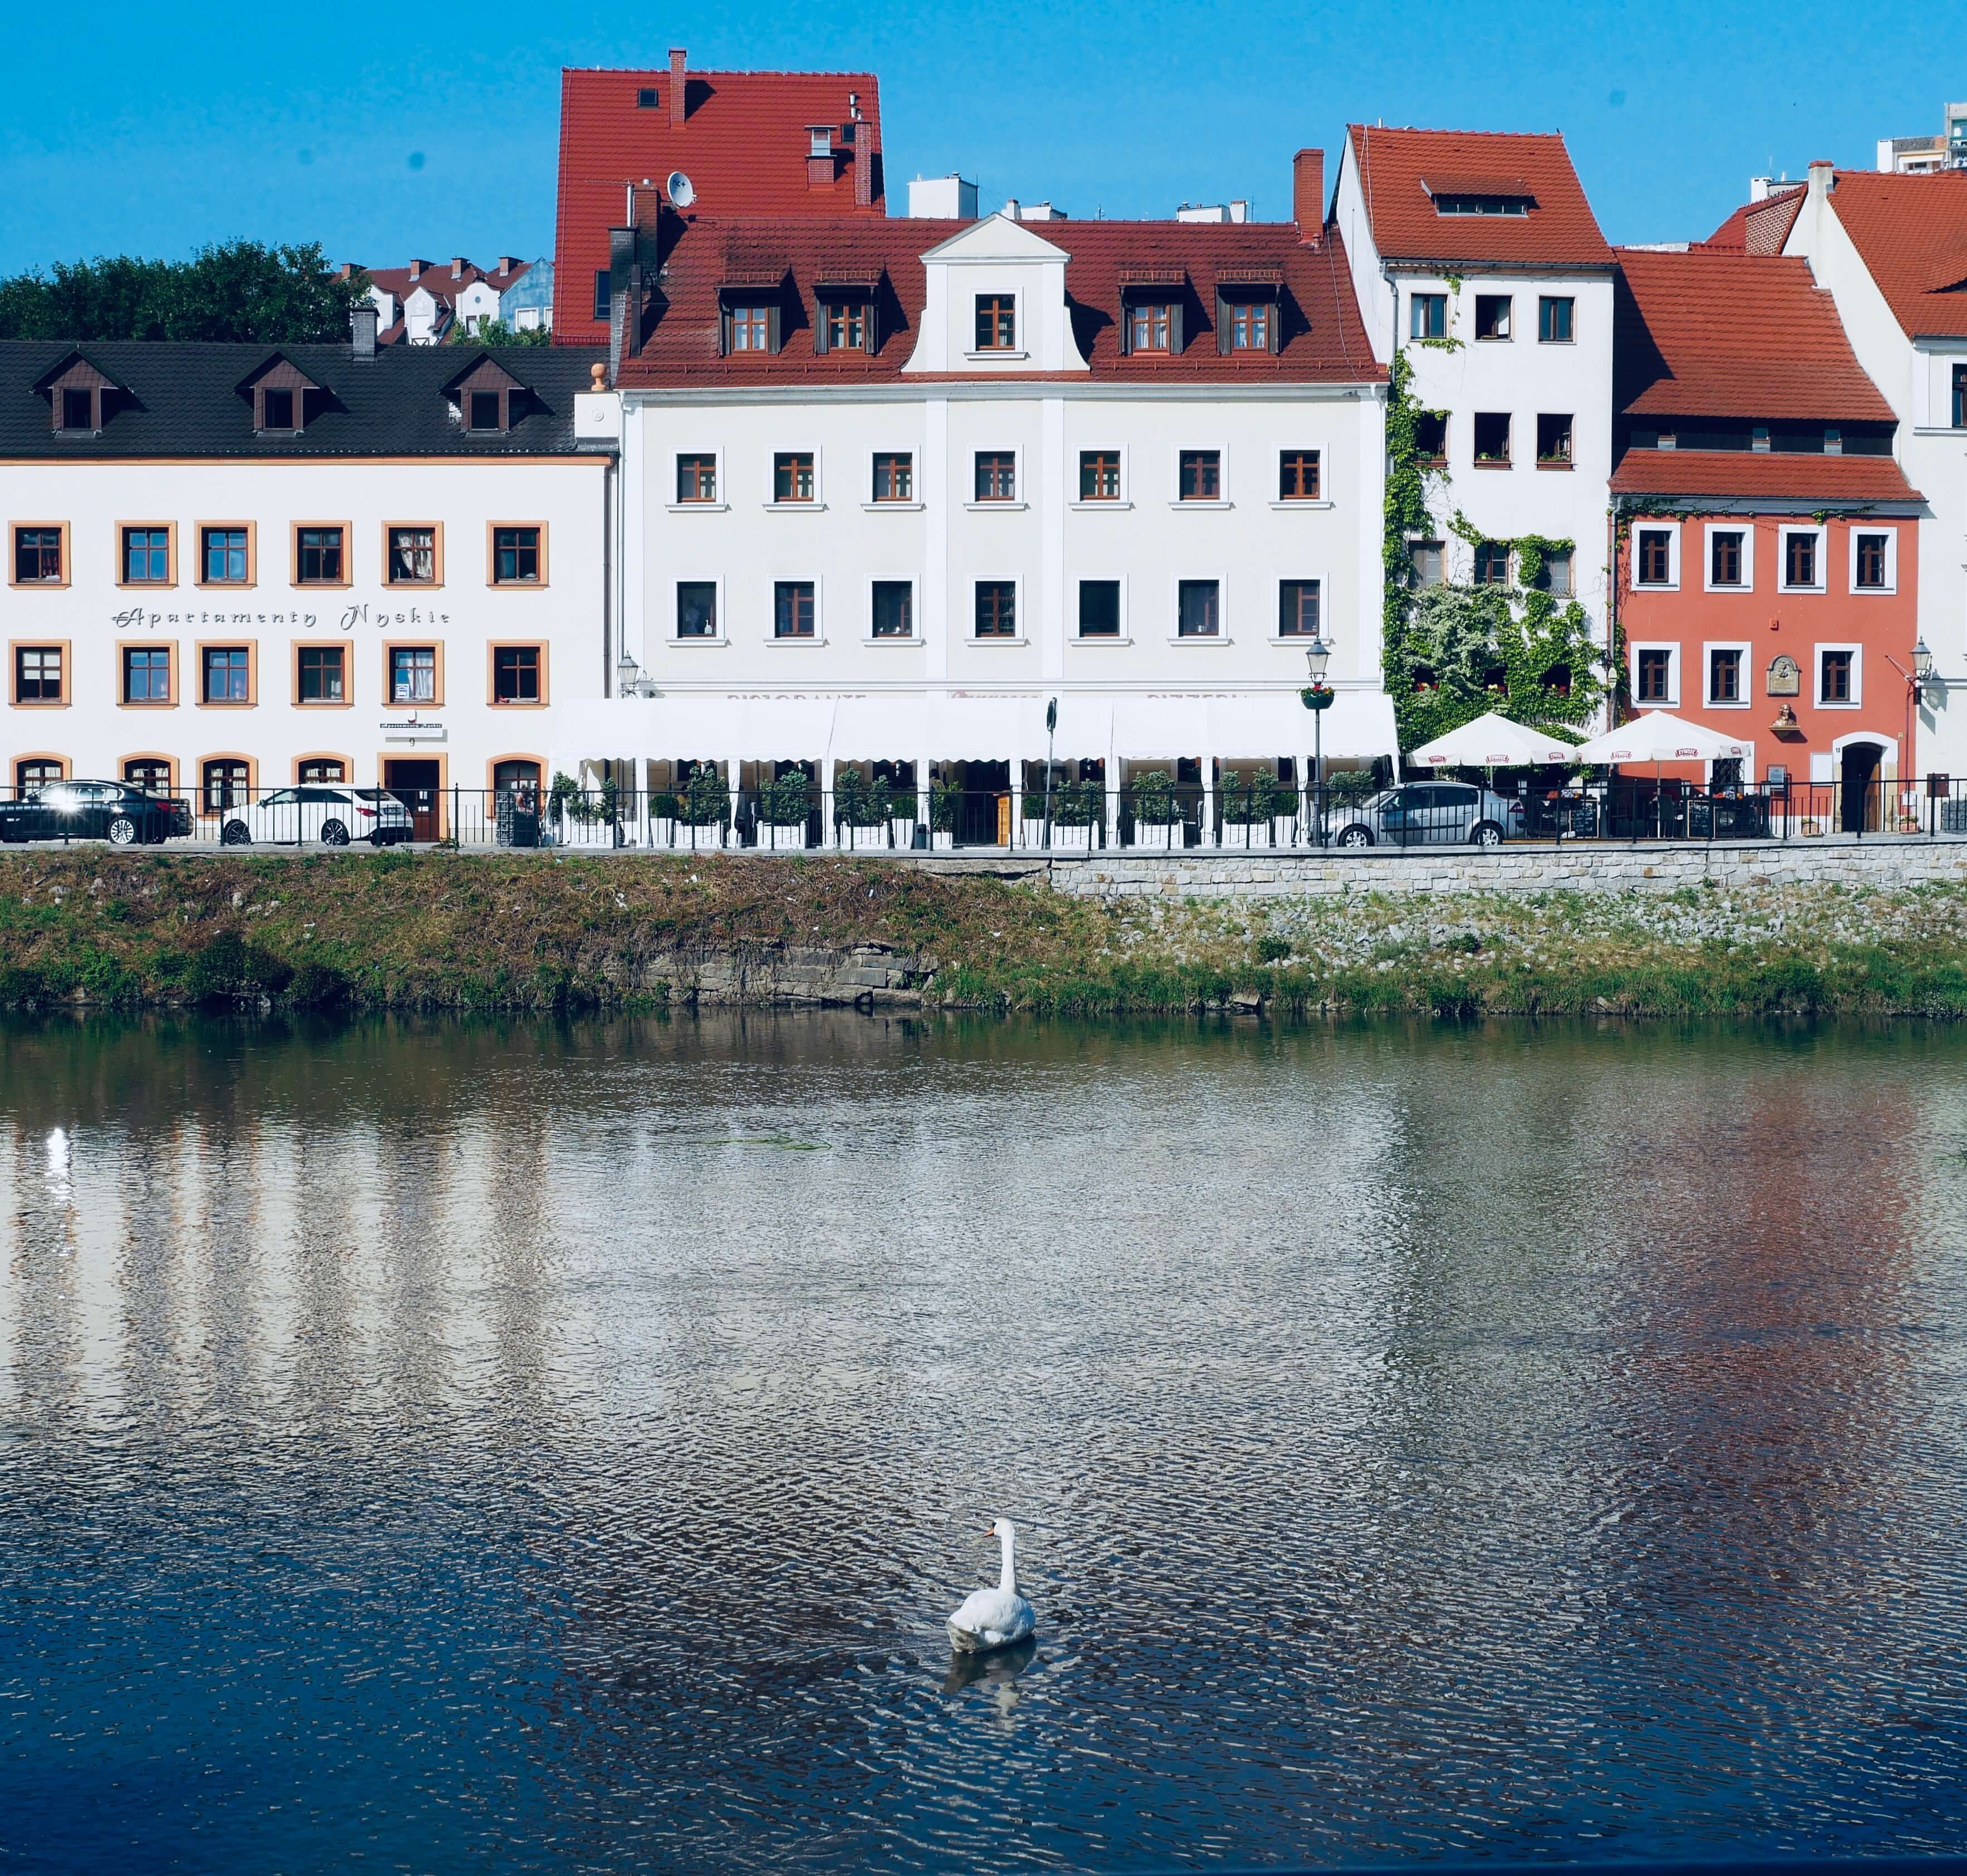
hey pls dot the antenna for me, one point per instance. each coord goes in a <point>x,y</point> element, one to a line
<point>681,190</point>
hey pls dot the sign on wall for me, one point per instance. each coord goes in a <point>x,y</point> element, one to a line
<point>1784,676</point>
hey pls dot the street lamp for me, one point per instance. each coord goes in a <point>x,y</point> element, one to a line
<point>1922,663</point>
<point>1051,724</point>
<point>1316,697</point>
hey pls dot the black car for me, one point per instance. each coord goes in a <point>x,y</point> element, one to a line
<point>94,810</point>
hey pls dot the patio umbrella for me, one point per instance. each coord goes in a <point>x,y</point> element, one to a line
<point>1493,742</point>
<point>1658,736</point>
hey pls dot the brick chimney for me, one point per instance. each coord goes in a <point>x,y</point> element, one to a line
<point>1308,195</point>
<point>362,321</point>
<point>458,264</point>
<point>679,59</point>
<point>417,268</point>
<point>506,264</point>
<point>820,169</point>
<point>864,160</point>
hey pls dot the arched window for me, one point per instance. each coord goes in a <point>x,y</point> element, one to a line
<point>150,774</point>
<point>516,776</point>
<point>227,783</point>
<point>36,772</point>
<point>317,769</point>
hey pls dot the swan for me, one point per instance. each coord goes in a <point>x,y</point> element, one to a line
<point>993,1618</point>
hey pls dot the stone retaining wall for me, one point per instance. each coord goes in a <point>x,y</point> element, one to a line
<point>1583,868</point>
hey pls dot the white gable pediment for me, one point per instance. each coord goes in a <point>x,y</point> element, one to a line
<point>996,238</point>
<point>999,259</point>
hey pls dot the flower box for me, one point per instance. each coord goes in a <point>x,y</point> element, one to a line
<point>1071,839</point>
<point>942,842</point>
<point>1155,837</point>
<point>662,833</point>
<point>774,839</point>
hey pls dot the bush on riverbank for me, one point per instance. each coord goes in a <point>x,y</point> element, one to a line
<point>438,931</point>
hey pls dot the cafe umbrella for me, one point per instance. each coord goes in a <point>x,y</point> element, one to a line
<point>1494,742</point>
<point>1658,736</point>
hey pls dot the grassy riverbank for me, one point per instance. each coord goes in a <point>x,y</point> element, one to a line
<point>438,931</point>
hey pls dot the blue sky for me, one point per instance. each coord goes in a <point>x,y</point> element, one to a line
<point>433,130</point>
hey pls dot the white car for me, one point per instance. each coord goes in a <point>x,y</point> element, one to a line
<point>329,813</point>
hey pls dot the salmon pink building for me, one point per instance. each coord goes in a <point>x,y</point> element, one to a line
<point>1766,542</point>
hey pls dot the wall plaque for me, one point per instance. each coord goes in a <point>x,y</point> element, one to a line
<point>1784,676</point>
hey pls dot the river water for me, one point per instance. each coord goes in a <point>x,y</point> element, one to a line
<point>533,1446</point>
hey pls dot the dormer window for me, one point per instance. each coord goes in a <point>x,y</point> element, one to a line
<point>996,322</point>
<point>819,140</point>
<point>1150,310</point>
<point>749,314</point>
<point>1247,306</point>
<point>279,399</point>
<point>484,413</point>
<point>1482,205</point>
<point>488,397</point>
<point>1150,326</point>
<point>78,411</point>
<point>278,410</point>
<point>844,319</point>
<point>76,393</point>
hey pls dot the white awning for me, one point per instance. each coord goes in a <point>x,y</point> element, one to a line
<point>1358,724</point>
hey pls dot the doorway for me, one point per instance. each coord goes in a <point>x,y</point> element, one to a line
<point>1860,795</point>
<point>415,781</point>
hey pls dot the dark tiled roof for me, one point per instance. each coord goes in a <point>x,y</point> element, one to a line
<point>185,399</point>
<point>1713,333</point>
<point>1911,233</point>
<point>1324,339</point>
<point>1397,169</point>
<point>1752,475</point>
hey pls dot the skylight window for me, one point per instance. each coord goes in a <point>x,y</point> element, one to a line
<point>1482,205</point>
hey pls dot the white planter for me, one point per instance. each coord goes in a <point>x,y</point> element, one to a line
<point>690,836</point>
<point>587,833</point>
<point>1071,839</point>
<point>941,843</point>
<point>1154,837</point>
<point>1031,834</point>
<point>773,839</point>
<point>902,834</point>
<point>1284,833</point>
<point>863,840</point>
<point>662,833</point>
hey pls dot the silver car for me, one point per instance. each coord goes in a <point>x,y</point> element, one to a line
<point>1427,814</point>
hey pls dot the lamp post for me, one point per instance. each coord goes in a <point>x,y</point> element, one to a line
<point>626,671</point>
<point>1051,724</point>
<point>1316,697</point>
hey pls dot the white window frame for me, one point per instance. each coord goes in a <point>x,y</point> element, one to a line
<point>1856,700</point>
<point>1747,529</point>
<point>772,505</point>
<point>1891,585</point>
<point>912,505</point>
<point>722,504</point>
<point>1671,700</point>
<point>1125,498</point>
<point>1277,474</point>
<point>1671,530</point>
<point>818,585</point>
<point>968,635</point>
<point>1746,650</point>
<point>1447,313</point>
<point>1177,581</point>
<point>1126,637</point>
<point>1317,573</point>
<point>722,635</point>
<point>1573,340</point>
<point>1783,537</point>
<point>1223,501</point>
<point>1022,334</point>
<point>913,583</point>
<point>1024,489</point>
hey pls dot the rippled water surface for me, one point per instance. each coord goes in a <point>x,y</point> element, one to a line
<point>556,1447</point>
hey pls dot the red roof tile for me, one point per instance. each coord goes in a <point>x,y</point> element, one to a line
<point>1911,233</point>
<point>1752,475</point>
<point>1324,339</point>
<point>1397,168</point>
<point>1710,333</point>
<point>1758,228</point>
<point>743,145</point>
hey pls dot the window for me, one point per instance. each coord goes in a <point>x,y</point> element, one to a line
<point>1655,557</point>
<point>1554,575</point>
<point>750,328</point>
<point>412,557</point>
<point>1297,476</point>
<point>516,777</point>
<point>792,609</point>
<point>1724,675</point>
<point>228,781</point>
<point>1800,558</point>
<point>647,97</point>
<point>1724,557</point>
<point>1960,397</point>
<point>277,408</point>
<point>996,322</point>
<point>1150,327</point>
<point>1492,315</point>
<point>1834,677</point>
<point>996,476</point>
<point>413,674</point>
<point>225,554</point>
<point>1655,673</point>
<point>37,556</point>
<point>895,477</point>
<point>150,774</point>
<point>317,558</point>
<point>1199,475</point>
<point>696,609</point>
<point>1425,556</point>
<point>1252,323</point>
<point>481,411</point>
<point>229,674</point>
<point>515,674</point>
<point>603,293</point>
<point>697,478</point>
<point>318,768</point>
<point>845,323</point>
<point>894,611</point>
<point>516,556</point>
<point>37,674</point>
<point>320,674</point>
<point>1492,564</point>
<point>78,409</point>
<point>147,674</point>
<point>36,773</point>
<point>1297,608</point>
<point>1492,438</point>
<point>792,475</point>
<point>1554,320</point>
<point>1431,437</point>
<point>1482,205</point>
<point>1427,315</point>
<point>1099,475</point>
<point>1554,441</point>
<point>1871,555</point>
<point>1099,608</point>
<point>147,556</point>
<point>1199,608</point>
<point>997,608</point>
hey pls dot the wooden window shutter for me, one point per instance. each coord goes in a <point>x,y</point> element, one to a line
<point>1175,324</point>
<point>1127,325</point>
<point>1275,331</point>
<point>819,327</point>
<point>772,324</point>
<point>1223,333</point>
<point>723,330</point>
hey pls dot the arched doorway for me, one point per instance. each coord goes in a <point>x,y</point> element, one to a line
<point>1860,786</point>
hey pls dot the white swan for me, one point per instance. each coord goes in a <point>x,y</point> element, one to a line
<point>993,1618</point>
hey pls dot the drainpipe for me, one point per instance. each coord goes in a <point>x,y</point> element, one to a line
<point>608,473</point>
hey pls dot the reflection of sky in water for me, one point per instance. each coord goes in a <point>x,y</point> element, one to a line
<point>500,1446</point>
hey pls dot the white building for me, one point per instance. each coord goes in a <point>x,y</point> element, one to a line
<point>1477,256</point>
<point>235,568</point>
<point>1921,156</point>
<point>892,487</point>
<point>424,303</point>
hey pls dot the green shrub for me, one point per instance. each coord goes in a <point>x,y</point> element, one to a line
<point>1154,798</point>
<point>229,967</point>
<point>317,987</point>
<point>786,801</point>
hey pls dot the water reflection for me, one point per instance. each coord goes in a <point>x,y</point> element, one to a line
<point>532,1446</point>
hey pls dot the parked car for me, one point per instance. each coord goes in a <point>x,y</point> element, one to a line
<point>332,814</point>
<point>1427,813</point>
<point>114,812</point>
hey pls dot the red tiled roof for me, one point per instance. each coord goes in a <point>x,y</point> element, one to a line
<point>1750,475</point>
<point>743,145</point>
<point>1758,228</point>
<point>1396,168</point>
<point>437,281</point>
<point>1711,333</point>
<point>1911,233</point>
<point>1324,339</point>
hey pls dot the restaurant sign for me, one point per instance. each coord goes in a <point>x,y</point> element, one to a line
<point>412,728</point>
<point>361,612</point>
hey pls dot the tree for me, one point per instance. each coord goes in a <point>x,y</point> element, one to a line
<point>496,332</point>
<point>242,292</point>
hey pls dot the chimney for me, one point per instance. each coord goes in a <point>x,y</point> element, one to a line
<point>621,268</point>
<point>506,264</point>
<point>864,160</point>
<point>678,85</point>
<point>458,264</point>
<point>1308,195</point>
<point>362,317</point>
<point>417,270</point>
<point>1823,173</point>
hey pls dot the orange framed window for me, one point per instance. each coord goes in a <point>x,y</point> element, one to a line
<point>996,322</point>
<point>1297,476</point>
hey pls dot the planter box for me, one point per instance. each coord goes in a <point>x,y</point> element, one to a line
<point>941,843</point>
<point>1072,840</point>
<point>689,835</point>
<point>1154,837</point>
<point>902,834</point>
<point>862,839</point>
<point>1284,833</point>
<point>1031,835</point>
<point>773,839</point>
<point>662,833</point>
<point>574,833</point>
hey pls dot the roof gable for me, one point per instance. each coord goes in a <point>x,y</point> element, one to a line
<point>74,372</point>
<point>1910,231</point>
<point>996,238</point>
<point>483,373</point>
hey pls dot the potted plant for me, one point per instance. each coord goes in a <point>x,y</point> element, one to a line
<point>706,806</point>
<point>1032,819</point>
<point>941,815</point>
<point>903,807</point>
<point>1154,811</point>
<point>1076,806</point>
<point>664,811</point>
<point>783,806</point>
<point>1247,808</point>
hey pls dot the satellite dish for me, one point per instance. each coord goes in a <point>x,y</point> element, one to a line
<point>681,190</point>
